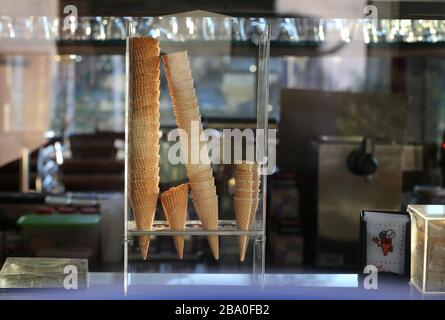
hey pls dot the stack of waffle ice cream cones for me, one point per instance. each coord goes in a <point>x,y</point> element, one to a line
<point>175,203</point>
<point>143,136</point>
<point>188,118</point>
<point>247,187</point>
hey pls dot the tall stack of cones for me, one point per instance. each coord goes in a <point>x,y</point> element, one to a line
<point>175,202</point>
<point>247,187</point>
<point>143,136</point>
<point>188,118</point>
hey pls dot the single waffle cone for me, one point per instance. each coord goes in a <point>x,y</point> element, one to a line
<point>176,60</point>
<point>244,240</point>
<point>207,211</point>
<point>144,213</point>
<point>204,194</point>
<point>247,165</point>
<point>246,184</point>
<point>180,55</point>
<point>247,175</point>
<point>142,42</point>
<point>198,172</point>
<point>202,185</point>
<point>243,215</point>
<point>181,84</point>
<point>174,77</point>
<point>246,194</point>
<point>183,96</point>
<point>175,202</point>
<point>143,47</point>
<point>180,66</point>
<point>184,104</point>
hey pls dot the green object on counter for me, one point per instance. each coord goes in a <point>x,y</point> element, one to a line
<point>59,220</point>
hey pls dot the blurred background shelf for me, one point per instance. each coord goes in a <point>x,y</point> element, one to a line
<point>239,48</point>
<point>278,48</point>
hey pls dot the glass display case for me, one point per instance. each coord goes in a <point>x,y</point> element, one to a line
<point>219,195</point>
<point>428,248</point>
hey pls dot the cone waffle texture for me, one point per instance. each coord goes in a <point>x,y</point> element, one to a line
<point>143,134</point>
<point>174,202</point>
<point>188,118</point>
<point>247,183</point>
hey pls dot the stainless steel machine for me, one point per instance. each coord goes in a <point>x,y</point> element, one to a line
<point>353,174</point>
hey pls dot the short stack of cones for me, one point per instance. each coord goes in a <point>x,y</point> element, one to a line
<point>175,202</point>
<point>143,136</point>
<point>247,187</point>
<point>188,118</point>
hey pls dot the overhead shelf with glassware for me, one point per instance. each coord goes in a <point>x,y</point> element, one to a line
<point>278,48</point>
<point>289,36</point>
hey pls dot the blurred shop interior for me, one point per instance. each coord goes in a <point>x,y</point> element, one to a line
<point>341,85</point>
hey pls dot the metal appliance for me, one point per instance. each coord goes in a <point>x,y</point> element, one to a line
<point>354,173</point>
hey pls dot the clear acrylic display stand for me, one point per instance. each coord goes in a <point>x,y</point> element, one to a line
<point>162,265</point>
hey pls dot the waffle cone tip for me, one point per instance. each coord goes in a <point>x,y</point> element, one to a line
<point>143,246</point>
<point>214,246</point>
<point>243,242</point>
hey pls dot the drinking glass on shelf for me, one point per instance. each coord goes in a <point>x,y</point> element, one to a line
<point>150,27</point>
<point>54,27</point>
<point>440,27</point>
<point>97,28</point>
<point>166,28</point>
<point>143,26</point>
<point>407,30</point>
<point>284,29</point>
<point>424,31</point>
<point>254,26</point>
<point>68,30</point>
<point>429,31</point>
<point>382,30</point>
<point>369,31</point>
<point>115,29</point>
<point>42,28</point>
<point>193,25</point>
<point>337,30</point>
<point>223,28</point>
<point>6,28</point>
<point>83,31</point>
<point>208,28</point>
<point>395,33</point>
<point>238,33</point>
<point>2,28</point>
<point>187,28</point>
<point>309,29</point>
<point>23,27</point>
